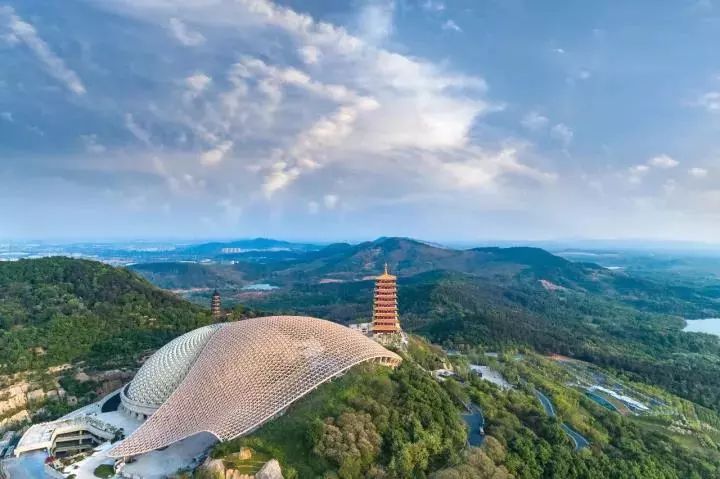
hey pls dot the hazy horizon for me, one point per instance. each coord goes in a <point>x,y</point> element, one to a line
<point>557,244</point>
<point>439,120</point>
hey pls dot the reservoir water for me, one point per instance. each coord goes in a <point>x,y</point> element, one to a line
<point>475,422</point>
<point>709,325</point>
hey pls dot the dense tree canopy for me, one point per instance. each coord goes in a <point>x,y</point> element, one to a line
<point>57,310</point>
<point>371,423</point>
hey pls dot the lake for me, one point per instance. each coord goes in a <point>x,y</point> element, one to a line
<point>475,422</point>
<point>709,325</point>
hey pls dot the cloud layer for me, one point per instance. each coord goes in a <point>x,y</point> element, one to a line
<point>242,117</point>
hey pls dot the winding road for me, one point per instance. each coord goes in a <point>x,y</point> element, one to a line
<point>577,439</point>
<point>546,403</point>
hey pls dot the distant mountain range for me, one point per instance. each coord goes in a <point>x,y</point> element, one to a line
<point>347,262</point>
<point>124,253</point>
<point>343,263</point>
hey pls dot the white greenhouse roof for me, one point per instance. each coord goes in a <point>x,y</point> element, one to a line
<point>233,377</point>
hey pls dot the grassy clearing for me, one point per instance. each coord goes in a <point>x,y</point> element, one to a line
<point>104,471</point>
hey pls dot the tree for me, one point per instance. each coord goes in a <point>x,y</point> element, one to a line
<point>351,442</point>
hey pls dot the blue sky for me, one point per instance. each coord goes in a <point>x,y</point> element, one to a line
<point>444,120</point>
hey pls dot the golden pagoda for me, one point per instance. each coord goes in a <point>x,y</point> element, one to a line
<point>385,307</point>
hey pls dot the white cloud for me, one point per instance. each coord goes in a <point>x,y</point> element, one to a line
<point>184,35</point>
<point>562,133</point>
<point>710,101</point>
<point>350,107</point>
<point>636,173</point>
<point>21,31</point>
<point>7,116</point>
<point>179,183</point>
<point>92,145</point>
<point>482,169</point>
<point>136,130</point>
<point>433,5</point>
<point>216,154</point>
<point>639,169</point>
<point>663,161</point>
<point>578,76</point>
<point>198,82</point>
<point>375,23</point>
<point>451,25</point>
<point>310,54</point>
<point>534,121</point>
<point>313,207</point>
<point>331,201</point>
<point>698,172</point>
<point>560,51</point>
<point>231,210</point>
<point>280,177</point>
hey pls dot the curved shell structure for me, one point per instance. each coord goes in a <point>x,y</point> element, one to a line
<point>242,374</point>
<point>163,372</point>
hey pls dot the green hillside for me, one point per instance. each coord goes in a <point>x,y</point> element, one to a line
<point>382,424</point>
<point>374,423</point>
<point>58,310</point>
<point>460,309</point>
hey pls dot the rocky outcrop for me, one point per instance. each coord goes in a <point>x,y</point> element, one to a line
<point>215,469</point>
<point>14,420</point>
<point>244,454</point>
<point>233,474</point>
<point>271,470</point>
<point>13,397</point>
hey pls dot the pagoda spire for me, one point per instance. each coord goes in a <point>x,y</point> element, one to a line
<point>385,308</point>
<point>216,305</point>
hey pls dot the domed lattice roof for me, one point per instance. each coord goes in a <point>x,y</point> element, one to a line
<point>233,377</point>
<point>163,372</point>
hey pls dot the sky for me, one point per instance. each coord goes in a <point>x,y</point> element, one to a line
<point>447,120</point>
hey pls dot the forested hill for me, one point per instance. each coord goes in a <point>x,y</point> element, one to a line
<point>525,267</point>
<point>57,310</point>
<point>407,257</point>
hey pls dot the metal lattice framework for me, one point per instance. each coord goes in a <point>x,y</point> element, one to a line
<point>164,371</point>
<point>248,372</point>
